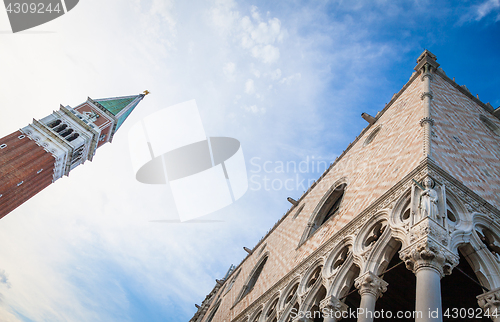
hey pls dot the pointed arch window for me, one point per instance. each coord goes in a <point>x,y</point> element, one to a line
<point>233,280</point>
<point>212,313</point>
<point>328,208</point>
<point>254,276</point>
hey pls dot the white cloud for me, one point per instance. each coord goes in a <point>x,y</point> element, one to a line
<point>255,12</point>
<point>249,86</point>
<point>255,109</point>
<point>288,80</point>
<point>223,16</point>
<point>276,74</point>
<point>486,8</point>
<point>481,11</point>
<point>229,69</point>
<point>268,53</point>
<point>260,37</point>
<point>3,278</point>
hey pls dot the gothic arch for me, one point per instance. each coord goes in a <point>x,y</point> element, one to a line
<point>311,297</point>
<point>253,277</point>
<point>371,242</point>
<point>343,280</point>
<point>311,276</point>
<point>287,315</point>
<point>213,312</point>
<point>289,296</point>
<point>337,257</point>
<point>270,310</point>
<point>485,264</point>
<point>329,205</point>
<point>458,220</point>
<point>256,316</point>
<point>400,217</point>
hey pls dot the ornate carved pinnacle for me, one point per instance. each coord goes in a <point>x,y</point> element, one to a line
<point>490,302</point>
<point>330,305</point>
<point>426,61</point>
<point>426,120</point>
<point>370,283</point>
<point>426,53</point>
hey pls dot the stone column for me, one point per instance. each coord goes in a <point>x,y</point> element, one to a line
<point>490,303</point>
<point>427,122</point>
<point>332,309</point>
<point>370,287</point>
<point>426,64</point>
<point>430,259</point>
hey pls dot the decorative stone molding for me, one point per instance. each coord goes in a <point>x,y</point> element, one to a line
<point>426,120</point>
<point>330,305</point>
<point>370,283</point>
<point>302,297</point>
<point>426,94</point>
<point>490,302</point>
<point>428,248</point>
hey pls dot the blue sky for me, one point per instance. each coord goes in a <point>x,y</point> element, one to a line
<point>288,79</point>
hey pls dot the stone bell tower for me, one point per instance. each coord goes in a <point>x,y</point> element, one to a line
<point>404,225</point>
<point>44,151</point>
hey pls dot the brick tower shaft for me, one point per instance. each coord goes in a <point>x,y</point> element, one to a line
<point>39,154</point>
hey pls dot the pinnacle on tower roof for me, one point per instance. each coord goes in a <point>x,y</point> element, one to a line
<point>426,58</point>
<point>120,107</point>
<point>426,53</point>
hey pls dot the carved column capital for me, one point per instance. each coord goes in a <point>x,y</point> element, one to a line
<point>330,305</point>
<point>428,248</point>
<point>490,302</point>
<point>370,283</point>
